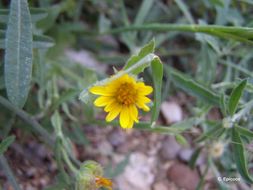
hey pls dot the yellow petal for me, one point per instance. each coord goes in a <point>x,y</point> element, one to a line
<point>114,112</point>
<point>133,113</point>
<point>100,90</point>
<point>102,101</point>
<point>142,106</point>
<point>144,89</point>
<point>130,124</point>
<point>124,117</point>
<point>110,105</point>
<point>143,99</point>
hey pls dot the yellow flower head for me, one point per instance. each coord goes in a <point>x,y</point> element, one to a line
<point>121,97</point>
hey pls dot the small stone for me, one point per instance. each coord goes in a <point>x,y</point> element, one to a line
<point>172,112</point>
<point>186,154</point>
<point>30,172</point>
<point>105,148</point>
<point>160,186</point>
<point>183,176</point>
<point>138,174</point>
<point>29,187</point>
<point>169,149</point>
<point>116,138</point>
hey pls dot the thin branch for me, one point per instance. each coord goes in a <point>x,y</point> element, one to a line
<point>28,119</point>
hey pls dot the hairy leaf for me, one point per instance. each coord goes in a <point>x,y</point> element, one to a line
<point>18,54</point>
<point>235,97</point>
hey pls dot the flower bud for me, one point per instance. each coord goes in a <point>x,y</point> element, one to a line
<point>91,167</point>
<point>227,123</point>
<point>216,149</point>
<point>85,182</point>
<point>90,177</point>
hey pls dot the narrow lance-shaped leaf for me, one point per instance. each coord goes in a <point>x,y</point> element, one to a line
<point>194,88</point>
<point>157,73</point>
<point>235,97</point>
<point>181,140</point>
<point>147,49</point>
<point>244,132</point>
<point>18,54</point>
<point>239,155</point>
<point>6,143</point>
<point>57,122</point>
<point>194,158</point>
<point>210,133</point>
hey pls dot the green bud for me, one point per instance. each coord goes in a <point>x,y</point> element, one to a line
<point>92,168</point>
<point>85,182</point>
<point>227,123</point>
<point>87,175</point>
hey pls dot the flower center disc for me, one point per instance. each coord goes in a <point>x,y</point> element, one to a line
<point>126,94</point>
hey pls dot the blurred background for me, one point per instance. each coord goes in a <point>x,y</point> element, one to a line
<point>77,52</point>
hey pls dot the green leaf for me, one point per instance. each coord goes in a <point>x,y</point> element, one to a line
<point>244,132</point>
<point>184,8</point>
<point>56,121</point>
<point>239,155</point>
<point>42,42</point>
<point>223,104</point>
<point>36,14</point>
<point>5,167</point>
<point>60,164</point>
<point>147,49</point>
<point>2,85</point>
<point>194,88</point>
<point>181,140</point>
<point>6,143</point>
<point>235,97</point>
<point>215,131</point>
<point>66,96</point>
<point>111,172</point>
<point>77,135</point>
<point>157,73</point>
<point>194,158</point>
<point>39,41</point>
<point>53,12</point>
<point>145,7</point>
<point>207,62</point>
<point>18,54</point>
<point>104,23</point>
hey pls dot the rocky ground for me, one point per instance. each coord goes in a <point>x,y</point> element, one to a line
<point>152,161</point>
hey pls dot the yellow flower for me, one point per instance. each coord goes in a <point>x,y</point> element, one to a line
<point>103,182</point>
<point>121,97</point>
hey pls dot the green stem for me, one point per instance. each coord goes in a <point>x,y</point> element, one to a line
<point>201,182</point>
<point>28,119</point>
<point>8,172</point>
<point>146,126</point>
<point>227,32</point>
<point>68,162</point>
